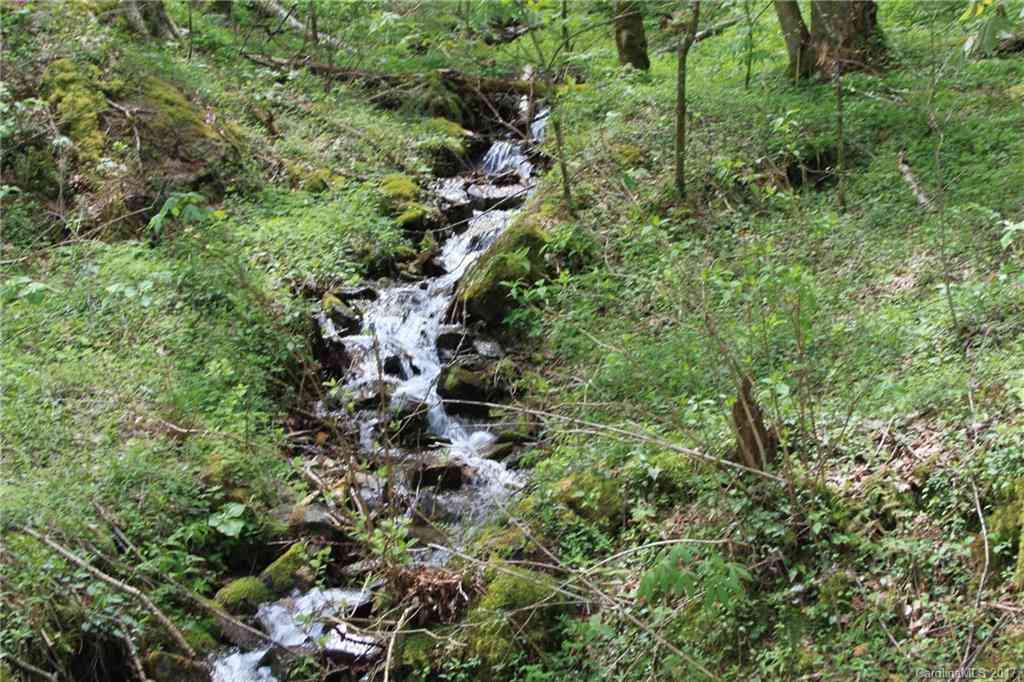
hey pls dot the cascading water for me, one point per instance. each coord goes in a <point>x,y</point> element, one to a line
<point>395,364</point>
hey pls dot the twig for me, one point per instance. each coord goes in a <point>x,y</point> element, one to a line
<point>968,655</point>
<point>28,667</point>
<point>394,636</point>
<point>146,602</point>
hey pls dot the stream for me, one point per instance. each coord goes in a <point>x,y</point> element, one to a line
<point>397,346</point>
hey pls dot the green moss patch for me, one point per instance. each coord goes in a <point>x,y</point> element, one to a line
<point>243,594</point>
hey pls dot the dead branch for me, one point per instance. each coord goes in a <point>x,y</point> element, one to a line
<point>146,602</point>
<point>272,8</point>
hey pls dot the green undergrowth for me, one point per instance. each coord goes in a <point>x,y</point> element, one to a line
<point>885,343</point>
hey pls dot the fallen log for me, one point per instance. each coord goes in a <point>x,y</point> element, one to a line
<point>458,80</point>
<point>911,180</point>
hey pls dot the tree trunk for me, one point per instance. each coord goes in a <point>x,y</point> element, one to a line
<point>845,33</point>
<point>684,51</point>
<point>802,59</point>
<point>630,38</point>
<point>149,18</point>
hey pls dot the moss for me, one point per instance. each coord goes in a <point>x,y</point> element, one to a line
<point>1008,521</point>
<point>418,651</point>
<point>200,638</point>
<point>501,543</point>
<point>412,215</point>
<point>592,497</point>
<point>74,92</point>
<point>398,191</point>
<point>280,576</point>
<point>167,667</point>
<point>6,675</point>
<point>177,128</point>
<point>443,126</point>
<point>512,612</point>
<point>243,594</point>
<point>516,256</point>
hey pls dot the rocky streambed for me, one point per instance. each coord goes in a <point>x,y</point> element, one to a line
<point>415,384</point>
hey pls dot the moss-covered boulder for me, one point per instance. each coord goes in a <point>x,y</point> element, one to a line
<point>515,256</point>
<point>243,595</point>
<point>180,145</point>
<point>168,667</point>
<point>73,90</point>
<point>399,196</point>
<point>514,614</point>
<point>286,571</point>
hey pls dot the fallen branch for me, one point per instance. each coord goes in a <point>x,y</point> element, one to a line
<point>146,602</point>
<point>911,180</point>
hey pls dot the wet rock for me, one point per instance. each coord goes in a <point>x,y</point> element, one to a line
<point>286,572</point>
<point>370,395</point>
<point>338,318</point>
<point>427,534</point>
<point>358,293</point>
<point>428,508</point>
<point>471,379</point>
<point>515,427</point>
<point>515,256</point>
<point>452,340</point>
<point>407,424</point>
<point>484,197</point>
<point>453,202</point>
<point>500,451</point>
<point>393,366</point>
<point>168,667</point>
<point>436,474</point>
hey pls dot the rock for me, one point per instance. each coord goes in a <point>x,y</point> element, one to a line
<point>486,197</point>
<point>427,534</point>
<point>358,293</point>
<point>515,427</point>
<point>500,451</point>
<point>407,424</point>
<point>285,573</point>
<point>243,595</point>
<point>515,256</point>
<point>428,508</point>
<point>473,379</point>
<point>168,667</point>
<point>436,474</point>
<point>338,318</point>
<point>304,518</point>
<point>512,614</point>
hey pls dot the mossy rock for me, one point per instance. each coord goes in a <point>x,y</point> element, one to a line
<point>501,543</point>
<point>397,191</point>
<point>168,667</point>
<point>243,594</point>
<point>283,574</point>
<point>593,497</point>
<point>73,90</point>
<point>515,256</point>
<point>413,215</point>
<point>512,615</point>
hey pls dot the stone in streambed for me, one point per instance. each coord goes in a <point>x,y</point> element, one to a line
<point>515,256</point>
<point>243,595</point>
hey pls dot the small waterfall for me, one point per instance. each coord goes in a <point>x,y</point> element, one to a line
<point>395,360</point>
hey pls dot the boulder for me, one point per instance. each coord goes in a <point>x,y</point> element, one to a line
<point>515,256</point>
<point>243,595</point>
<point>407,425</point>
<point>436,474</point>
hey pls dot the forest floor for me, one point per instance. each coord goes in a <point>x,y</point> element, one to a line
<point>155,371</point>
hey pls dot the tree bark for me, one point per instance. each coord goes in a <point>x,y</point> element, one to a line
<point>149,18</point>
<point>684,51</point>
<point>802,60</point>
<point>630,38</point>
<point>845,33</point>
